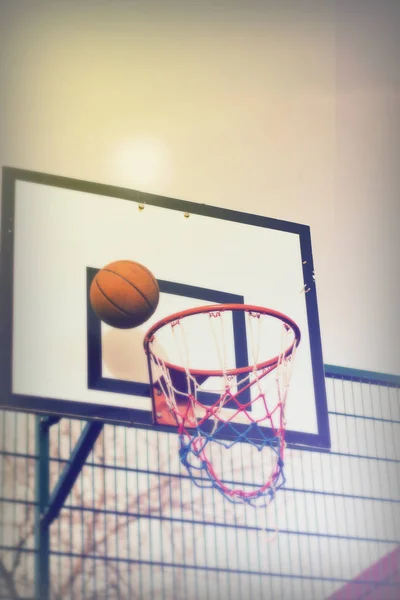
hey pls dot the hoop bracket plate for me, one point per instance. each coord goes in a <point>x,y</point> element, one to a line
<point>162,415</point>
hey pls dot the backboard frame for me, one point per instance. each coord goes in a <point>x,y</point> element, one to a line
<point>120,415</point>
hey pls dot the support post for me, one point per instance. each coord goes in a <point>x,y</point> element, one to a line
<point>48,506</point>
<point>42,541</point>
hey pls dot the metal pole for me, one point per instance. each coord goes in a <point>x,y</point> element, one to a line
<point>42,538</point>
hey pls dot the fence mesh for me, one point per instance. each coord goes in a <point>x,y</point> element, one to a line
<point>134,526</point>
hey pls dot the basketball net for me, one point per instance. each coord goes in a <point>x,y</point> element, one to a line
<point>215,403</point>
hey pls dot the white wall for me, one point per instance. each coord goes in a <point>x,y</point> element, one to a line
<point>290,112</point>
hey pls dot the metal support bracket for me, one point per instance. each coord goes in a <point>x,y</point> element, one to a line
<point>71,471</point>
<point>49,506</point>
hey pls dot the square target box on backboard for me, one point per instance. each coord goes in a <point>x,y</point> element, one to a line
<point>57,357</point>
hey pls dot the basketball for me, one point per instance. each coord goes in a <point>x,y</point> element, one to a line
<point>124,294</point>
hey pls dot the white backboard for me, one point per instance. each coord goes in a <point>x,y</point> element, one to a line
<point>57,233</point>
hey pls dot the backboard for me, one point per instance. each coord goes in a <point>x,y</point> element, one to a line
<point>57,357</point>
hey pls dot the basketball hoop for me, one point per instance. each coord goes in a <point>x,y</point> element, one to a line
<point>220,401</point>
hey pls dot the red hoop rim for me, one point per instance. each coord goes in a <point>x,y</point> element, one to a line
<point>218,308</point>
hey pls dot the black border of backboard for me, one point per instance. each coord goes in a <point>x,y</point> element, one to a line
<point>11,175</point>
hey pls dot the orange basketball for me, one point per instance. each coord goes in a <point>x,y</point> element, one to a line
<point>124,294</point>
